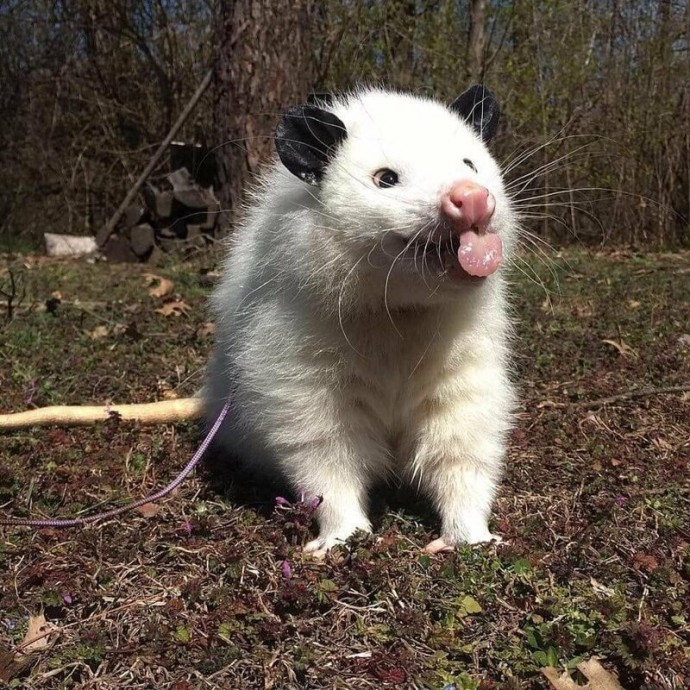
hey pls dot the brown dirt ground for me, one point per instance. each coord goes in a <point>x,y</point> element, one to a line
<point>594,507</point>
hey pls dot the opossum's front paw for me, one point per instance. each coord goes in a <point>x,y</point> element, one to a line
<point>447,544</point>
<point>317,548</point>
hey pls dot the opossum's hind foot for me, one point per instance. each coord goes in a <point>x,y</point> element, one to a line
<point>443,544</point>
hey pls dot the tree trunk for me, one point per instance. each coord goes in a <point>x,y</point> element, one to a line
<point>262,65</point>
<point>475,47</point>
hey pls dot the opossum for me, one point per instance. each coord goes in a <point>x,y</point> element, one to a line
<point>362,330</point>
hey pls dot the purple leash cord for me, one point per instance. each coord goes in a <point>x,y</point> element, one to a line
<point>151,498</point>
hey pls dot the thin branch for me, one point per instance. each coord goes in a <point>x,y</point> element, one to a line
<point>627,395</point>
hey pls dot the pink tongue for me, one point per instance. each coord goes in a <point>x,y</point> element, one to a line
<point>480,255</point>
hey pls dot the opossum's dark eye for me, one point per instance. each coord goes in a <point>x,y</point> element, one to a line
<point>470,164</point>
<point>386,178</point>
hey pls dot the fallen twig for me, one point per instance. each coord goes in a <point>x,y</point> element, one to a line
<point>627,395</point>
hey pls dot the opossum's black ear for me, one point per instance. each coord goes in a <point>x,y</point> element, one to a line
<point>306,139</point>
<point>480,108</point>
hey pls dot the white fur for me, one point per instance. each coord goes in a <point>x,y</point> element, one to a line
<point>349,359</point>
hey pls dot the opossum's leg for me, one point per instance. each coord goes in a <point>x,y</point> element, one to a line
<point>457,462</point>
<point>339,516</point>
<point>463,494</point>
<point>341,479</point>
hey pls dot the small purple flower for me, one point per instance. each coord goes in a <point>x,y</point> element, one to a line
<point>310,502</point>
<point>314,503</point>
<point>286,570</point>
<point>186,527</point>
<point>280,501</point>
<point>67,598</point>
<point>9,624</point>
<point>621,500</point>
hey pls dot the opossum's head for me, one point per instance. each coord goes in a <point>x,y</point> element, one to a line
<point>406,186</point>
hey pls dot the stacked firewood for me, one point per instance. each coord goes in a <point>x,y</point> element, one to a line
<point>181,218</point>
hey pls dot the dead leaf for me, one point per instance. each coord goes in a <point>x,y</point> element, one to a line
<point>36,638</point>
<point>158,286</point>
<point>175,308</point>
<point>599,678</point>
<point>56,294</point>
<point>583,311</point>
<point>560,682</point>
<point>633,303</point>
<point>645,561</point>
<point>98,332</point>
<point>662,444</point>
<point>12,665</point>
<point>181,685</point>
<point>149,510</point>
<point>601,589</point>
<point>547,305</point>
<point>684,340</point>
<point>208,328</point>
<point>623,348</point>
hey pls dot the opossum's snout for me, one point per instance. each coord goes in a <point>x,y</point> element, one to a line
<point>468,208</point>
<point>468,205</point>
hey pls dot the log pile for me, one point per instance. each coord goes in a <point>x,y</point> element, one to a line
<point>182,217</point>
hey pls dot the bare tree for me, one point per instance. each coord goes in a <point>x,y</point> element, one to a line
<point>597,92</point>
<point>475,47</point>
<point>262,64</point>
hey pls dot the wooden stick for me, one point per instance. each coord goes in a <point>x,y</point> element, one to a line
<point>108,229</point>
<point>162,412</point>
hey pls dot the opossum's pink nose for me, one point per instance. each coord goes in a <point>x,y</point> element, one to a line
<point>468,205</point>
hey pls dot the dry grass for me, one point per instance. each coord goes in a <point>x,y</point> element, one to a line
<point>595,508</point>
